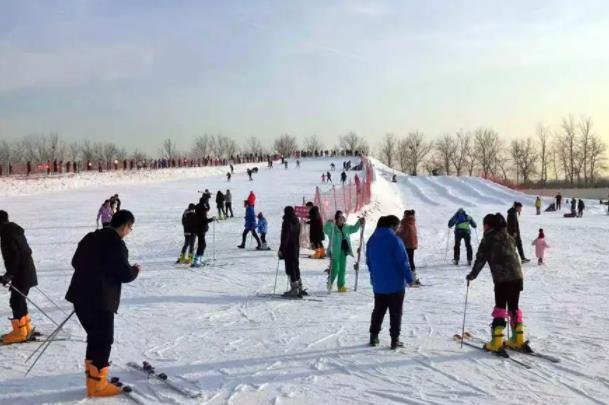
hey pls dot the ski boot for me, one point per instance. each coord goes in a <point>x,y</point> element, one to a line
<point>496,343</point>
<point>18,334</point>
<point>525,260</point>
<point>396,343</point>
<point>374,339</point>
<point>469,262</point>
<point>188,259</point>
<point>197,262</point>
<point>241,246</point>
<point>456,262</point>
<point>28,326</point>
<point>97,382</point>
<point>342,289</point>
<point>180,259</point>
<point>303,292</point>
<point>294,291</point>
<point>322,253</point>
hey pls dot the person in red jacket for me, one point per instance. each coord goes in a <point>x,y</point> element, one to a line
<point>407,232</point>
<point>251,198</point>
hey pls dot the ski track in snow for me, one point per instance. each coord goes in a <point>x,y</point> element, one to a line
<point>208,327</point>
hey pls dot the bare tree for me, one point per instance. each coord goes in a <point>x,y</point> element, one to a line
<point>585,138</point>
<point>447,149</point>
<point>201,147</point>
<point>568,141</point>
<point>487,146</point>
<point>253,145</point>
<point>312,144</point>
<point>110,150</point>
<point>525,157</point>
<point>412,152</point>
<point>596,157</point>
<point>285,145</point>
<point>463,153</point>
<point>543,137</point>
<point>168,149</point>
<point>354,143</point>
<point>228,147</point>
<point>74,151</point>
<point>8,153</point>
<point>388,149</point>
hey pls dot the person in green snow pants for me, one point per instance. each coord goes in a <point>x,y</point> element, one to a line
<point>338,231</point>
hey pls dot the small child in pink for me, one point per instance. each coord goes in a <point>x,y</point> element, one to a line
<point>540,247</point>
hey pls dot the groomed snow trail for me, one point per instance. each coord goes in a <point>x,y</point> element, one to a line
<point>209,326</point>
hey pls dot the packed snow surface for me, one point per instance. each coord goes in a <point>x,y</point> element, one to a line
<point>209,327</point>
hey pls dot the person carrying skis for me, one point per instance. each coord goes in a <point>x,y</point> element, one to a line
<point>220,204</point>
<point>289,251</point>
<point>21,274</point>
<point>189,223</point>
<point>316,233</point>
<point>105,214</point>
<point>513,228</point>
<point>101,265</point>
<point>201,227</point>
<point>538,205</point>
<point>407,232</point>
<point>580,208</point>
<point>340,246</point>
<point>498,249</point>
<point>540,246</point>
<point>250,225</point>
<point>228,203</point>
<point>462,222</point>
<point>262,226</point>
<point>389,274</point>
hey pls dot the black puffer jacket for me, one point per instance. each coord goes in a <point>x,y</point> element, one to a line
<point>290,235</point>
<point>316,226</point>
<point>101,265</point>
<point>202,222</point>
<point>17,256</point>
<point>513,228</point>
<point>189,221</point>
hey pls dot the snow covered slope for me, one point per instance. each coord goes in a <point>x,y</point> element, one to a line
<point>209,326</point>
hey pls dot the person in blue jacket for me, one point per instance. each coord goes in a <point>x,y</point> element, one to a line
<point>387,262</point>
<point>462,222</point>
<point>250,225</point>
<point>262,226</point>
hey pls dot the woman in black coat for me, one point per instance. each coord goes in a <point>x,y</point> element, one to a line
<point>316,233</point>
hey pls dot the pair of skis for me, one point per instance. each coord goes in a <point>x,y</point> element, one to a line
<point>188,390</point>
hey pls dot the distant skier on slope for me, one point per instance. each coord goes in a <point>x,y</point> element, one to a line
<point>189,223</point>
<point>289,251</point>
<point>389,274</point>
<point>262,227</point>
<point>498,249</point>
<point>513,228</point>
<point>462,222</point>
<point>340,246</point>
<point>228,203</point>
<point>202,226</point>
<point>220,198</point>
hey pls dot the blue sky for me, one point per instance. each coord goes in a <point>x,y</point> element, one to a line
<point>136,72</point>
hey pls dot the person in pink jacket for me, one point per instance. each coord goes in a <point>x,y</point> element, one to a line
<point>540,247</point>
<point>105,213</point>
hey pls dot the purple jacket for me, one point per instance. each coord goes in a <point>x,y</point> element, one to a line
<point>105,213</point>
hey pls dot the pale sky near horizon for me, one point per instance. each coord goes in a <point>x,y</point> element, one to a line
<point>136,72</point>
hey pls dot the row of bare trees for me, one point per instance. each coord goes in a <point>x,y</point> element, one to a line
<point>571,152</point>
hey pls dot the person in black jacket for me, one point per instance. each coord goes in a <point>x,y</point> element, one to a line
<point>21,274</point>
<point>220,204</point>
<point>201,228</point>
<point>513,228</point>
<point>101,266</point>
<point>189,223</point>
<point>580,208</point>
<point>316,233</point>
<point>205,198</point>
<point>289,250</point>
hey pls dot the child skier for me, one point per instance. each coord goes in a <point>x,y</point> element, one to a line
<point>407,232</point>
<point>189,223</point>
<point>540,247</point>
<point>262,229</point>
<point>340,244</point>
<point>250,224</point>
<point>499,250</point>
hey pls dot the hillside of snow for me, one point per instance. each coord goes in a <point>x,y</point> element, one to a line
<point>209,326</point>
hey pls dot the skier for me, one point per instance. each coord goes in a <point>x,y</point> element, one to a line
<point>101,265</point>
<point>228,176</point>
<point>189,223</point>
<point>232,169</point>
<point>407,232</point>
<point>573,210</point>
<point>21,274</point>
<point>262,229</point>
<point>228,203</point>
<point>328,177</point>
<point>316,233</point>
<point>289,251</point>
<point>389,273</point>
<point>499,250</point>
<point>462,222</point>
<point>220,204</point>
<point>297,162</point>
<point>249,173</point>
<point>323,177</point>
<point>538,205</point>
<point>340,245</point>
<point>580,208</point>
<point>394,179</point>
<point>285,164</point>
<point>201,228</point>
<point>540,246</point>
<point>332,166</point>
<point>251,198</point>
<point>343,177</point>
<point>558,201</point>
<point>513,228</point>
<point>105,213</point>
<point>250,224</point>
<point>205,199</point>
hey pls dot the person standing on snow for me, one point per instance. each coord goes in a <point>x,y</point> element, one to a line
<point>228,203</point>
<point>329,177</point>
<point>538,205</point>
<point>462,222</point>
<point>389,274</point>
<point>498,249</point>
<point>340,246</point>
<point>540,247</point>
<point>250,224</point>
<point>228,176</point>
<point>289,251</point>
<point>220,204</point>
<point>580,208</point>
<point>21,274</point>
<point>343,177</point>
<point>262,226</point>
<point>189,223</point>
<point>513,228</point>
<point>201,228</point>
<point>407,232</point>
<point>101,265</point>
<point>251,198</point>
<point>105,214</point>
<point>558,201</point>
<point>316,233</point>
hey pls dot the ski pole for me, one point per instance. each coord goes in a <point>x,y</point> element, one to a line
<point>464,312</point>
<point>47,343</point>
<point>276,274</point>
<point>51,301</point>
<point>12,287</point>
<point>447,243</point>
<point>477,240</point>
<point>213,232</point>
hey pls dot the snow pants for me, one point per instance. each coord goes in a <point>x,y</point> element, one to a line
<point>292,268</point>
<point>339,265</point>
<point>201,245</point>
<point>411,259</point>
<point>394,302</point>
<point>228,207</point>
<point>18,303</point>
<point>99,326</point>
<point>507,295</point>
<point>254,234</point>
<point>460,235</point>
<point>189,243</point>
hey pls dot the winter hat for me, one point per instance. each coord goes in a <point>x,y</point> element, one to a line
<point>259,215</point>
<point>541,235</point>
<point>3,217</point>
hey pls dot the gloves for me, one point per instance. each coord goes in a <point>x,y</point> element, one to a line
<point>470,277</point>
<point>5,279</point>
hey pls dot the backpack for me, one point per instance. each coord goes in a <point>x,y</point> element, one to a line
<point>461,218</point>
